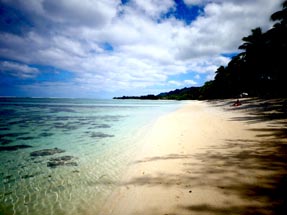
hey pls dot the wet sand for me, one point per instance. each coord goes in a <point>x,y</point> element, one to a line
<point>209,158</point>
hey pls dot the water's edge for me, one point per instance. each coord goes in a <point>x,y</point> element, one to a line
<point>94,141</point>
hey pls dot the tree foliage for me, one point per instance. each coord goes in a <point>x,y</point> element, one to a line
<point>261,68</point>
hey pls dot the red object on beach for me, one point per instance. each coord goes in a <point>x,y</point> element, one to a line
<point>237,103</point>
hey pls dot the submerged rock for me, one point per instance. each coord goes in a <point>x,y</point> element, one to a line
<point>100,135</point>
<point>45,134</point>
<point>5,141</point>
<point>102,126</point>
<point>26,138</point>
<point>13,135</point>
<point>27,176</point>
<point>14,148</point>
<point>45,152</point>
<point>62,161</point>
<point>60,109</point>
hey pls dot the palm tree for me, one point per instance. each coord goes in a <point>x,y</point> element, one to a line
<point>277,42</point>
<point>256,60</point>
<point>280,16</point>
<point>252,41</point>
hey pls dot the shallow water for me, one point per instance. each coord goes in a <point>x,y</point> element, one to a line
<point>98,137</point>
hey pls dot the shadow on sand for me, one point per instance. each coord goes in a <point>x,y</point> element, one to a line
<point>253,171</point>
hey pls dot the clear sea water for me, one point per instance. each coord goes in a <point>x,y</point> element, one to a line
<point>99,136</point>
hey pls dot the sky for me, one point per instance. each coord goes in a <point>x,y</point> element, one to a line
<point>107,48</point>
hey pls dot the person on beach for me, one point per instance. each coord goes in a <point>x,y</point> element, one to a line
<point>237,103</point>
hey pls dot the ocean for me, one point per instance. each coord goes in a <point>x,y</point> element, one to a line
<point>66,156</point>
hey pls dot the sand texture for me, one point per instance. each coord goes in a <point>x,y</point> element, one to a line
<point>208,158</point>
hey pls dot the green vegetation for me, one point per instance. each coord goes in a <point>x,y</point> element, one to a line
<point>259,70</point>
<point>147,97</point>
<point>182,94</point>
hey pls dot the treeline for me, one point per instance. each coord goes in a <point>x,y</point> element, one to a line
<point>259,70</point>
<point>147,97</point>
<point>182,94</point>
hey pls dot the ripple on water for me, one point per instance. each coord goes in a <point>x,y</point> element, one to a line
<point>28,184</point>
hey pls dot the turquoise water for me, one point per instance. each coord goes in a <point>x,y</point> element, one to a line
<point>95,141</point>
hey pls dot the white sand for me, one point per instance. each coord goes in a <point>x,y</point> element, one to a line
<point>195,161</point>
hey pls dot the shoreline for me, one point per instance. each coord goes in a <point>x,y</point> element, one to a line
<point>202,159</point>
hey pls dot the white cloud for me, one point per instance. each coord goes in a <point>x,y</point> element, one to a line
<point>18,70</point>
<point>154,8</point>
<point>197,76</point>
<point>210,76</point>
<point>72,35</point>
<point>85,12</point>
<point>223,25</point>
<point>182,83</point>
<point>190,82</point>
<point>177,83</point>
<point>193,2</point>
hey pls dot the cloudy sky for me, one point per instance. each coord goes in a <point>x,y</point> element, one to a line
<point>106,48</point>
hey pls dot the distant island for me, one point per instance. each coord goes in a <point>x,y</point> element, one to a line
<point>259,70</point>
<point>179,94</point>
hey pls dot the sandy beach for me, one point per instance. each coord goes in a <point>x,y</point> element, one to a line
<point>208,158</point>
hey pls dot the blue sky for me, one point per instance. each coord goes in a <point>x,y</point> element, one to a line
<point>105,48</point>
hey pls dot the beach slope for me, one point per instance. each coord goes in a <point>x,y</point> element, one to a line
<point>202,159</point>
